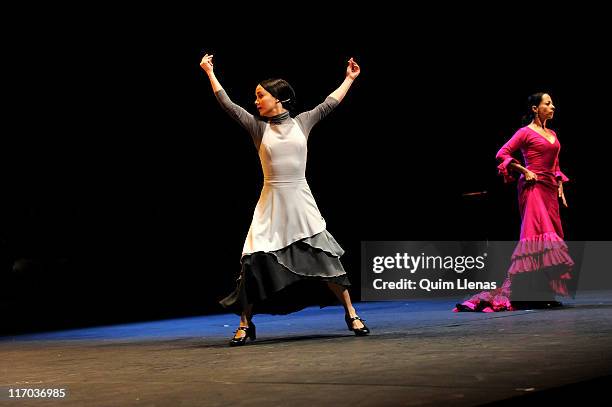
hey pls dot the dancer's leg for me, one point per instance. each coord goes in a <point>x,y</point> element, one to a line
<point>343,295</point>
<point>245,318</point>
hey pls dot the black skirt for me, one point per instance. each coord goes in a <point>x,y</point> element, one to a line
<point>289,279</point>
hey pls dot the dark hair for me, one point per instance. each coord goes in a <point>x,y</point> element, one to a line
<point>532,100</point>
<point>281,90</point>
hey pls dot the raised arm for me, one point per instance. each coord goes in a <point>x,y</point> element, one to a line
<point>248,121</point>
<point>308,119</point>
<point>207,66</point>
<point>352,71</point>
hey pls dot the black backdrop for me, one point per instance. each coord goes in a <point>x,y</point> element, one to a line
<point>128,192</point>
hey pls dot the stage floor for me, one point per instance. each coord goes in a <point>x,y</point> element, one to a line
<point>419,353</point>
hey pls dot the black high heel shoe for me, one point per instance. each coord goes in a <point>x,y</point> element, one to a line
<point>250,333</point>
<point>358,331</point>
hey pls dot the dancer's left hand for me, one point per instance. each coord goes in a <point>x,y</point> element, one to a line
<point>561,194</point>
<point>207,63</point>
<point>352,70</point>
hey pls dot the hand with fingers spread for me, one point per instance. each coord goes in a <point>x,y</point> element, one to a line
<point>352,70</point>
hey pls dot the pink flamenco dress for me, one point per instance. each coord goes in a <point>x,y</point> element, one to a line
<point>541,253</point>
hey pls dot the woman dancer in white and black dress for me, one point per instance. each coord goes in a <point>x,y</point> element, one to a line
<point>289,260</point>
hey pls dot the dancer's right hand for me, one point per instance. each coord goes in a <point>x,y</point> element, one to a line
<point>530,176</point>
<point>207,64</point>
<point>561,194</point>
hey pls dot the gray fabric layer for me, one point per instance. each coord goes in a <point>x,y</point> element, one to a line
<point>295,257</point>
<point>247,120</point>
<point>256,126</point>
<point>289,279</point>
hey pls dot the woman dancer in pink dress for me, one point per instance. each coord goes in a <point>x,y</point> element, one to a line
<point>540,262</point>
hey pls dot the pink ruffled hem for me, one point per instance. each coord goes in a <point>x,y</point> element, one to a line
<point>533,254</point>
<point>539,252</point>
<point>488,301</point>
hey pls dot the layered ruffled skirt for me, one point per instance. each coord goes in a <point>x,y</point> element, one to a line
<point>541,265</point>
<point>288,256</point>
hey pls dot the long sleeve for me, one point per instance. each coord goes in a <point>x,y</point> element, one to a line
<point>308,119</point>
<point>504,155</point>
<point>248,121</point>
<point>558,173</point>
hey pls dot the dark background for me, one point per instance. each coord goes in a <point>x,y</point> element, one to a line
<point>128,192</point>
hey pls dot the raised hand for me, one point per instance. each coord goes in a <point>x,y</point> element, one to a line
<point>207,63</point>
<point>352,70</point>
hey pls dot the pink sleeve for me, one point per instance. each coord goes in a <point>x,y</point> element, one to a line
<point>505,154</point>
<point>558,173</point>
